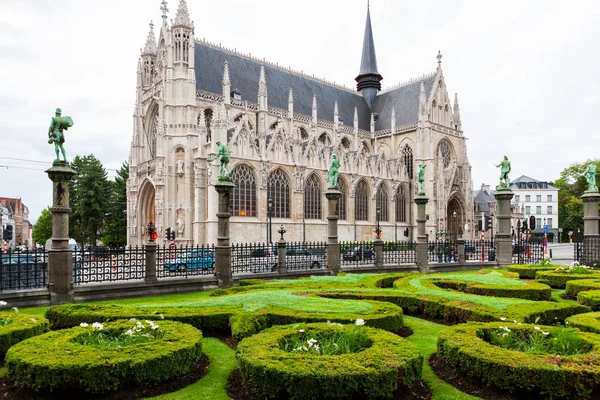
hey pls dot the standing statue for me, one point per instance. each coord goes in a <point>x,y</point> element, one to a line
<point>180,163</point>
<point>334,171</point>
<point>590,177</point>
<point>421,178</point>
<point>504,170</point>
<point>56,135</point>
<point>223,155</point>
<point>180,226</point>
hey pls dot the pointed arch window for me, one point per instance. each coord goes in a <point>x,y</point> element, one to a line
<point>444,153</point>
<point>242,202</point>
<point>312,198</point>
<point>401,202</point>
<point>407,159</point>
<point>361,202</point>
<point>152,132</point>
<point>342,202</point>
<point>381,202</point>
<point>278,190</point>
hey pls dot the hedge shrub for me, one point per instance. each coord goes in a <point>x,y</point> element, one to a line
<point>528,271</point>
<point>559,279</point>
<point>57,361</point>
<point>590,298</point>
<point>19,327</point>
<point>589,322</point>
<point>574,287</point>
<point>375,372</point>
<point>464,348</point>
<point>531,291</point>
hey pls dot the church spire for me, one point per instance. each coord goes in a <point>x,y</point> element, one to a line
<point>164,9</point>
<point>368,79</point>
<point>150,47</point>
<point>422,103</point>
<point>262,90</point>
<point>456,110</point>
<point>226,84</point>
<point>183,16</point>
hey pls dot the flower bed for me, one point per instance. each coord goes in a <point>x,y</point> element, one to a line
<point>16,327</point>
<point>276,372</point>
<point>588,322</point>
<point>528,271</point>
<point>574,287</point>
<point>558,278</point>
<point>590,298</point>
<point>83,359</point>
<point>467,348</point>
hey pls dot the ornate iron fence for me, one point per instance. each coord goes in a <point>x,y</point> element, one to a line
<point>357,253</point>
<point>527,251</point>
<point>305,255</point>
<point>442,251</point>
<point>253,257</point>
<point>100,264</point>
<point>185,261</point>
<point>480,250</point>
<point>21,270</point>
<point>399,252</point>
<point>587,251</point>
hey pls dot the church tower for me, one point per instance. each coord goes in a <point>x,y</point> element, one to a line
<point>368,79</point>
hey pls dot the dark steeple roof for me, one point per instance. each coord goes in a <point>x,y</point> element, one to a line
<point>368,64</point>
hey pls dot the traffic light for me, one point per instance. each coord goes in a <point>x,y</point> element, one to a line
<point>479,226</point>
<point>488,222</point>
<point>172,234</point>
<point>168,234</point>
<point>9,232</point>
<point>532,223</point>
<point>406,232</point>
<point>524,226</point>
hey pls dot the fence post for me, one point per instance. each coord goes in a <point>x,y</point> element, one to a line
<point>281,252</point>
<point>461,251</point>
<point>422,260</point>
<point>224,186</point>
<point>590,226</point>
<point>333,246</point>
<point>151,250</point>
<point>503,237</point>
<point>378,253</point>
<point>60,261</point>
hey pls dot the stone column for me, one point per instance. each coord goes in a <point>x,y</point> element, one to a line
<point>60,263</point>
<point>590,226</point>
<point>333,246</point>
<point>461,251</point>
<point>378,253</point>
<point>422,260</point>
<point>223,247</point>
<point>151,248</point>
<point>281,252</point>
<point>503,236</point>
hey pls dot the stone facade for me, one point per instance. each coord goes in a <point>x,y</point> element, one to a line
<point>282,126</point>
<point>16,214</point>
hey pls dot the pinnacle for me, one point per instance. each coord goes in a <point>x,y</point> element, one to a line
<point>226,80</point>
<point>183,16</point>
<point>150,47</point>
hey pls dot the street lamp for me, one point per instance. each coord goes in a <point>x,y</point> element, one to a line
<point>270,211</point>
<point>455,229</point>
<point>377,227</point>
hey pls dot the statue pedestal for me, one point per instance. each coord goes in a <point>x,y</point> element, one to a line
<point>60,262</point>
<point>333,246</point>
<point>503,235</point>
<point>422,260</point>
<point>223,247</point>
<point>590,227</point>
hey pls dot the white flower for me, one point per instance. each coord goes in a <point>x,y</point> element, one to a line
<point>154,327</point>
<point>16,309</point>
<point>545,333</point>
<point>98,325</point>
<point>33,320</point>
<point>503,319</point>
<point>537,328</point>
<point>83,325</point>
<point>161,316</point>
<point>515,321</point>
<point>359,322</point>
<point>132,319</point>
<point>311,342</point>
<point>129,332</point>
<point>301,331</point>
<point>316,347</point>
<point>304,348</point>
<point>3,303</point>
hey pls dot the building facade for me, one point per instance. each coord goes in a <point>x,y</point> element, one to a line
<point>281,127</point>
<point>15,219</point>
<point>486,206</point>
<point>538,199</point>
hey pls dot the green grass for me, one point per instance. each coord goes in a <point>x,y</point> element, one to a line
<point>425,338</point>
<point>213,385</point>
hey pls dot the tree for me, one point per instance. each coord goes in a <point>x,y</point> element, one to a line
<point>89,199</point>
<point>116,220</point>
<point>42,230</point>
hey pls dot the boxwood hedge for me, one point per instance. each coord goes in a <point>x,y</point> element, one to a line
<point>528,271</point>
<point>576,377</point>
<point>17,327</point>
<point>559,279</point>
<point>57,361</point>
<point>590,298</point>
<point>574,287</point>
<point>530,291</point>
<point>589,322</point>
<point>374,373</point>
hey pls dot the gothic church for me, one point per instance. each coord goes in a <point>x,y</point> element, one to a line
<point>281,127</point>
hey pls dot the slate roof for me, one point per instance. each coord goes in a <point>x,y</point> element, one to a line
<point>245,72</point>
<point>525,182</point>
<point>484,198</point>
<point>368,63</point>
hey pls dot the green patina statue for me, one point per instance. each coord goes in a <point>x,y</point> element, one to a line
<point>421,178</point>
<point>332,174</point>
<point>223,156</point>
<point>504,171</point>
<point>56,135</point>
<point>590,177</point>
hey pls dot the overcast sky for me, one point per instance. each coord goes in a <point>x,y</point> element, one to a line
<point>525,71</point>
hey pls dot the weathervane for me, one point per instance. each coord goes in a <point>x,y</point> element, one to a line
<point>439,57</point>
<point>164,9</point>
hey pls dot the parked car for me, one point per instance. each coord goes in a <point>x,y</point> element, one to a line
<point>359,253</point>
<point>517,247</point>
<point>296,257</point>
<point>469,248</point>
<point>192,259</point>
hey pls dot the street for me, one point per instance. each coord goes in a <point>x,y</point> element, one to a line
<point>562,253</point>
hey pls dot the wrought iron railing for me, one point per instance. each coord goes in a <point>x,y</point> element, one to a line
<point>101,264</point>
<point>527,251</point>
<point>399,252</point>
<point>185,261</point>
<point>357,253</point>
<point>21,270</point>
<point>480,250</point>
<point>442,251</point>
<point>305,255</point>
<point>253,257</point>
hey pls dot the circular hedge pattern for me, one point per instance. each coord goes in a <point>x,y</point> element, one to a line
<point>274,373</point>
<point>464,348</point>
<point>56,360</point>
<point>590,298</point>
<point>17,327</point>
<point>559,279</point>
<point>574,287</point>
<point>589,322</point>
<point>526,271</point>
<point>528,291</point>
